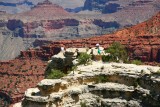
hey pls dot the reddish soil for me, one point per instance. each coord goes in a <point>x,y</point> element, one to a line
<point>18,75</point>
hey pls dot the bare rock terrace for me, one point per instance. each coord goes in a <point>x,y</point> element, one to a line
<point>99,85</point>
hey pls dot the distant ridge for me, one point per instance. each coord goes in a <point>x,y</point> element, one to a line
<point>149,27</point>
<point>45,10</point>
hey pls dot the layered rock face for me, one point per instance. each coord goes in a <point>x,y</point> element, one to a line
<point>142,40</point>
<point>103,6</point>
<point>138,47</point>
<point>42,21</point>
<point>99,85</point>
<point>112,6</point>
<point>143,45</point>
<point>51,22</point>
<point>47,20</point>
<point>10,47</point>
<point>17,75</point>
<point>18,6</point>
<point>123,11</point>
<point>11,42</point>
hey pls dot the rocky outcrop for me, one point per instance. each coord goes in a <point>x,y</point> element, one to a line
<point>99,85</point>
<point>44,53</point>
<point>42,22</point>
<point>66,59</point>
<point>142,45</point>
<point>103,6</point>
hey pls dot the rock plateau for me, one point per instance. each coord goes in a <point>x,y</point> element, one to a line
<point>98,85</point>
<point>51,22</point>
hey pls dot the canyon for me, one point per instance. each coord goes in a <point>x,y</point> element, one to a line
<point>43,23</point>
<point>49,21</point>
<point>18,6</point>
<point>95,84</point>
<point>34,39</point>
<point>141,41</point>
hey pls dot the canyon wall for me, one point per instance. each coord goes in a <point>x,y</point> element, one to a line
<point>47,21</point>
<point>19,74</point>
<point>142,40</point>
<point>145,48</point>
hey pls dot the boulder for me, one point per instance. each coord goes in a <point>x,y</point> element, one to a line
<point>48,86</point>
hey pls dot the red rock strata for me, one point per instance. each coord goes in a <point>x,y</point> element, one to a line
<point>45,52</point>
<point>18,75</point>
<point>142,41</point>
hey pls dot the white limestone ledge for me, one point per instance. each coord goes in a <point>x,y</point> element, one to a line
<point>94,79</point>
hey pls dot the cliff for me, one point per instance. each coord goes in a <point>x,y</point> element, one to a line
<point>113,6</point>
<point>49,21</point>
<point>141,40</point>
<point>10,47</point>
<point>18,6</point>
<point>99,85</point>
<point>17,75</point>
<point>149,27</point>
<point>144,45</point>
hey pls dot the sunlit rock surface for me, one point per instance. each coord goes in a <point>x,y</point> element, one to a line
<point>99,84</point>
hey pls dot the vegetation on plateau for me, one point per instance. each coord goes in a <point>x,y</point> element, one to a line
<point>84,59</point>
<point>137,62</point>
<point>117,52</point>
<point>55,74</point>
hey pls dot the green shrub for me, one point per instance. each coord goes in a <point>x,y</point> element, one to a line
<point>136,83</point>
<point>84,58</point>
<point>24,70</point>
<point>101,79</point>
<point>106,58</point>
<point>117,51</point>
<point>74,68</point>
<point>137,62</point>
<point>83,104</point>
<point>55,74</point>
